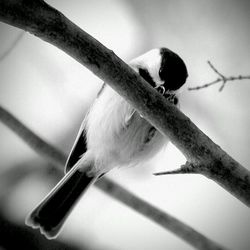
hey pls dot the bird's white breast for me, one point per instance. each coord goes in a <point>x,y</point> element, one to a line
<point>116,138</point>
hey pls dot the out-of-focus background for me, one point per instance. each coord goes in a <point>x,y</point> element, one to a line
<point>50,93</point>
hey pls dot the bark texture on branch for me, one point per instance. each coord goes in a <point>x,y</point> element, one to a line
<point>207,158</point>
<point>111,188</point>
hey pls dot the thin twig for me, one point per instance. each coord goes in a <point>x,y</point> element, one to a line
<point>187,168</point>
<point>223,79</point>
<point>113,189</point>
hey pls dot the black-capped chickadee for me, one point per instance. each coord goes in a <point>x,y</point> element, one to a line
<point>112,134</point>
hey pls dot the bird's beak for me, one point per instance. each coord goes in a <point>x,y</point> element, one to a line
<point>160,89</point>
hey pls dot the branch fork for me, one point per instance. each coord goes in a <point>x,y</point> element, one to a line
<point>223,79</point>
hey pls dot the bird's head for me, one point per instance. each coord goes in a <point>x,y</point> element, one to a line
<point>162,69</point>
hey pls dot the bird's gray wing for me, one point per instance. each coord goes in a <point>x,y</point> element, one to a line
<point>78,149</point>
<point>80,145</point>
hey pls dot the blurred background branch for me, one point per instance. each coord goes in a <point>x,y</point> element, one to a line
<point>15,236</point>
<point>34,141</point>
<point>12,46</point>
<point>111,188</point>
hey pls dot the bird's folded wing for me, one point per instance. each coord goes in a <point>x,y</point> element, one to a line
<point>78,149</point>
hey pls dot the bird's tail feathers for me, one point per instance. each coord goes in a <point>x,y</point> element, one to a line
<point>50,215</point>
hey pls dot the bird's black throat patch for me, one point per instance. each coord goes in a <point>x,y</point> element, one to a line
<point>146,76</point>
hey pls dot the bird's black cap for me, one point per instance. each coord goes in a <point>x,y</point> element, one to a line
<point>173,71</point>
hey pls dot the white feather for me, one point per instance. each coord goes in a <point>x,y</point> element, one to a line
<point>152,62</point>
<point>116,134</point>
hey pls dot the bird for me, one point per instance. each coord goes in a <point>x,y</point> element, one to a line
<point>112,134</point>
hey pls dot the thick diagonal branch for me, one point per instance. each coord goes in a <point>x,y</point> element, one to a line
<point>50,25</point>
<point>111,188</point>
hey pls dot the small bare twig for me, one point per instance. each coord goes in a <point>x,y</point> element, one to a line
<point>187,168</point>
<point>221,78</point>
<point>113,189</point>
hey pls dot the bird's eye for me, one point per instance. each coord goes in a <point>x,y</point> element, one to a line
<point>161,72</point>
